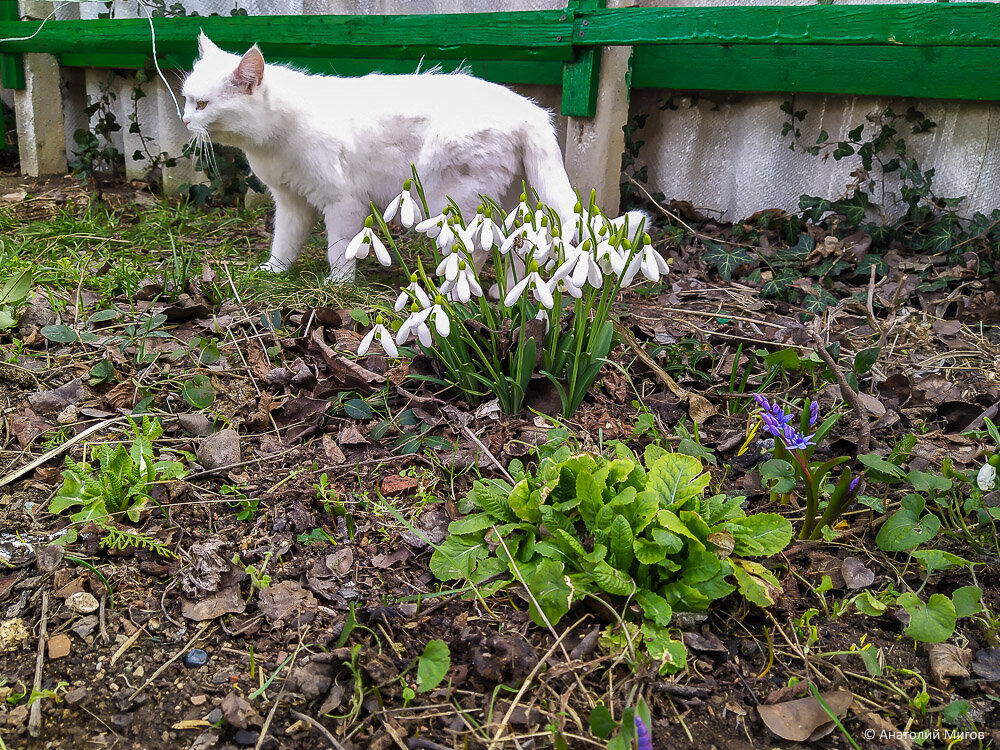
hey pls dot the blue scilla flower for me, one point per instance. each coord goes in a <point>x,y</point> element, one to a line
<point>644,739</point>
<point>813,413</point>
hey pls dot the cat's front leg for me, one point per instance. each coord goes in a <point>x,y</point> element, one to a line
<point>294,219</point>
<point>343,221</point>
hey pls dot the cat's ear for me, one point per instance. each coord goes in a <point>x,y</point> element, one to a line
<point>206,46</point>
<point>250,72</point>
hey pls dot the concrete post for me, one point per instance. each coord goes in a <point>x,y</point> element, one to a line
<point>38,108</point>
<point>594,145</point>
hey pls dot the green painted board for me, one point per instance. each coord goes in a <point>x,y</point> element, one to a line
<point>11,65</point>
<point>582,76</point>
<point>890,24</point>
<point>925,72</point>
<point>540,35</point>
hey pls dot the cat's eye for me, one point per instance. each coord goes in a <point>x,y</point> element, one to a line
<point>200,105</point>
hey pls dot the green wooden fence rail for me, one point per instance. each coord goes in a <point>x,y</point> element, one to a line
<point>941,50</point>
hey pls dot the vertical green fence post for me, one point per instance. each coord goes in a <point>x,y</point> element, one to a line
<point>11,66</point>
<point>580,77</point>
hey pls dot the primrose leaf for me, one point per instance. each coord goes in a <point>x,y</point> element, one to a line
<point>760,535</point>
<point>457,557</point>
<point>648,552</point>
<point>433,665</point>
<point>670,653</point>
<point>591,500</point>
<point>470,524</point>
<point>550,587</point>
<point>654,607</point>
<point>620,542</point>
<point>756,583</point>
<point>930,622</point>
<point>677,478</point>
<point>613,581</point>
<point>524,502</point>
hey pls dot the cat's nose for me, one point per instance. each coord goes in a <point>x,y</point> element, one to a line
<point>187,120</point>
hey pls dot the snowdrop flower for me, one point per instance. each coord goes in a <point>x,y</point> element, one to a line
<point>364,241</point>
<point>412,291</point>
<point>610,258</point>
<point>403,204</point>
<point>448,267</point>
<point>416,323</point>
<point>521,236</point>
<point>521,213</point>
<point>653,266</point>
<point>384,338</point>
<point>986,479</point>
<point>464,286</point>
<point>541,292</point>
<point>581,267</point>
<point>439,229</point>
<point>487,232</point>
<point>439,316</point>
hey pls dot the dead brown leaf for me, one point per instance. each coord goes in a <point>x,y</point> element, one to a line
<point>805,718</point>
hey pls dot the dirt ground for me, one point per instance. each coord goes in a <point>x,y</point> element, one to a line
<point>112,634</point>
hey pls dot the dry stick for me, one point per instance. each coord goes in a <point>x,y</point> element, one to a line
<point>35,719</point>
<point>170,661</point>
<point>864,429</point>
<point>277,699</point>
<point>679,220</point>
<point>647,360</point>
<point>331,740</point>
<point>979,422</point>
<point>18,473</point>
<point>488,452</point>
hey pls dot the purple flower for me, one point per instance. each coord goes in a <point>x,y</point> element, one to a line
<point>643,738</point>
<point>813,413</point>
<point>853,485</point>
<point>795,440</point>
<point>761,401</point>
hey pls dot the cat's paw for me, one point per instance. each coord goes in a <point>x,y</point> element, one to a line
<point>273,266</point>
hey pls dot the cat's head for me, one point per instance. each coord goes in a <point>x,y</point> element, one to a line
<point>219,92</point>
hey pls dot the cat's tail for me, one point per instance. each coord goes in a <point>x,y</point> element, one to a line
<point>546,173</point>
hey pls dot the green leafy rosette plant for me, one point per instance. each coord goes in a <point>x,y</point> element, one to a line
<point>549,312</point>
<point>620,529</point>
<point>119,481</point>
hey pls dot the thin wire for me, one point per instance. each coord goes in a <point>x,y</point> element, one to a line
<point>152,32</point>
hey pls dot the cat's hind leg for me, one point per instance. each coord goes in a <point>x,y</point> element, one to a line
<point>294,219</point>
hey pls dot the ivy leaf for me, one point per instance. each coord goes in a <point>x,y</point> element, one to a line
<point>930,622</point>
<point>198,392</point>
<point>433,665</point>
<point>726,258</point>
<point>967,600</point>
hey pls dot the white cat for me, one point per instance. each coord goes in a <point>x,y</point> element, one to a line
<point>327,146</point>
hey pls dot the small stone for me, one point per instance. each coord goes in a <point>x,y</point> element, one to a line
<point>196,657</point>
<point>214,716</point>
<point>85,626</point>
<point>59,646</point>
<point>82,602</point>
<point>246,737</point>
<point>122,721</point>
<point>69,415</point>
<point>220,450</point>
<point>196,424</point>
<point>75,696</point>
<point>199,700</point>
<point>139,671</point>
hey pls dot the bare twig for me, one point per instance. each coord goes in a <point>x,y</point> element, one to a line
<point>170,661</point>
<point>18,473</point>
<point>850,396</point>
<point>35,717</point>
<point>330,739</point>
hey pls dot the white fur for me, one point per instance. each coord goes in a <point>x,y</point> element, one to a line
<point>327,146</point>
